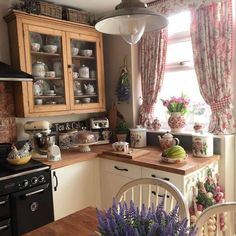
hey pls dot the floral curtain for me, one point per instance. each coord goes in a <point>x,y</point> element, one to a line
<point>168,7</point>
<point>152,59</point>
<point>211,33</point>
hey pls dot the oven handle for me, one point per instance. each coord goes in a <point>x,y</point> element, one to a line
<point>3,202</point>
<point>4,227</point>
<point>35,192</point>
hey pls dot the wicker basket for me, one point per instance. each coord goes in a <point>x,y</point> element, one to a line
<point>76,15</point>
<point>49,9</point>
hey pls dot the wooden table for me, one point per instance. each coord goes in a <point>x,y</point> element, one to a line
<point>81,223</point>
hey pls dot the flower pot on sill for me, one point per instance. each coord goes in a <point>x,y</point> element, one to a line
<point>121,137</point>
<point>176,121</point>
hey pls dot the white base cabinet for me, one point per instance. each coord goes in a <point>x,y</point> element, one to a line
<point>75,187</point>
<point>114,174</point>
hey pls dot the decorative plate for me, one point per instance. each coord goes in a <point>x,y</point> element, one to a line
<point>45,86</point>
<point>36,38</point>
<point>173,160</point>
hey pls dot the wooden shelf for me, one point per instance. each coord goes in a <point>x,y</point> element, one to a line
<point>45,54</point>
<point>86,79</point>
<point>85,95</point>
<point>48,78</point>
<point>83,57</point>
<point>48,96</point>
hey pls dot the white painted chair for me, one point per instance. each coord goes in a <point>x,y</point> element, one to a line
<point>151,191</point>
<point>220,217</point>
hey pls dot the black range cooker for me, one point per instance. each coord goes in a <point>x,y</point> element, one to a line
<point>25,195</point>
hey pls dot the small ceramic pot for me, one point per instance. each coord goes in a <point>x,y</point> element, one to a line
<point>86,100</point>
<point>202,145</point>
<point>75,75</point>
<point>74,51</point>
<point>84,71</point>
<point>38,101</point>
<point>138,137</point>
<point>93,74</point>
<point>106,134</point>
<point>120,146</point>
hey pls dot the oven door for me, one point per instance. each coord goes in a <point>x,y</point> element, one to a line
<point>31,208</point>
<point>5,227</point>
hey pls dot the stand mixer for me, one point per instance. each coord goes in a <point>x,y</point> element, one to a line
<point>39,136</point>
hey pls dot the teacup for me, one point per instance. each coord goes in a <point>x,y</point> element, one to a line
<point>38,101</point>
<point>50,74</point>
<point>86,100</point>
<point>120,146</point>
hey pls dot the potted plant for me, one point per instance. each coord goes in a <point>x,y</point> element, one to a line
<point>122,221</point>
<point>122,130</point>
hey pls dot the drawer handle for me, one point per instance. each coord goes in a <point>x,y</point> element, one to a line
<point>120,169</point>
<point>159,195</point>
<point>3,202</point>
<point>3,227</point>
<point>154,176</point>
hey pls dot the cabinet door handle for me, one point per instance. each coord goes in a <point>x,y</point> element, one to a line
<point>120,169</point>
<point>55,176</point>
<point>154,176</point>
<point>69,66</point>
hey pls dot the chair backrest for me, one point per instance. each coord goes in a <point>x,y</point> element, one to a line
<point>152,191</point>
<point>220,217</point>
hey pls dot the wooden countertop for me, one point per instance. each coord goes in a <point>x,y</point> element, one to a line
<point>81,223</point>
<point>151,160</point>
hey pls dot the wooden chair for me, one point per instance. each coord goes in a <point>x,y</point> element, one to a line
<point>223,216</point>
<point>152,191</point>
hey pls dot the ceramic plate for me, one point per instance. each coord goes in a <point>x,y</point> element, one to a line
<point>45,86</point>
<point>36,38</point>
<point>173,160</point>
<point>38,89</point>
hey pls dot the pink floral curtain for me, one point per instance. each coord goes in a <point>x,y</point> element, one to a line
<point>152,59</point>
<point>211,33</point>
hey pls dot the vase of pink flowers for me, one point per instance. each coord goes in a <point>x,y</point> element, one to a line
<point>177,108</point>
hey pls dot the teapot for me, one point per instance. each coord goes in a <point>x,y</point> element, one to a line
<point>89,88</point>
<point>167,141</point>
<point>39,69</point>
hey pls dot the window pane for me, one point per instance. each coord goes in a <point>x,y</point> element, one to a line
<point>176,83</point>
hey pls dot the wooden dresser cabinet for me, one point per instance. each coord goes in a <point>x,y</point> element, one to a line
<point>66,60</point>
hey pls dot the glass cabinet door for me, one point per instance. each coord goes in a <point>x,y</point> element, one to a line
<point>83,58</point>
<point>46,60</point>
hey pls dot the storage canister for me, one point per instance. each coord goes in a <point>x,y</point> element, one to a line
<point>138,137</point>
<point>202,145</point>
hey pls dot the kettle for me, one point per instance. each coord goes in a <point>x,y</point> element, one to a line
<point>167,141</point>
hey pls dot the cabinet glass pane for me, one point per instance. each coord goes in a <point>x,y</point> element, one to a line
<point>84,71</point>
<point>47,69</point>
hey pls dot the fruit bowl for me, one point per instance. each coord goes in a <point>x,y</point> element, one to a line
<point>173,160</point>
<point>20,161</point>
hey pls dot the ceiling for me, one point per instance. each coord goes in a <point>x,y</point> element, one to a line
<point>98,7</point>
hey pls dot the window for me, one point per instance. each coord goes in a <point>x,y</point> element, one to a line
<point>180,75</point>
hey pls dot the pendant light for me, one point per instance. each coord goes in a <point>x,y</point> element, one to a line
<point>130,19</point>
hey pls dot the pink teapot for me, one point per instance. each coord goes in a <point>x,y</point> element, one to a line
<point>167,141</point>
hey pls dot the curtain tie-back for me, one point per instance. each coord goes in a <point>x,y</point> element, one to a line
<point>221,104</point>
<point>148,108</point>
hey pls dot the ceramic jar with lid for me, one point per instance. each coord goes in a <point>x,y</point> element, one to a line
<point>202,145</point>
<point>84,71</point>
<point>38,69</point>
<point>138,137</point>
<point>167,141</point>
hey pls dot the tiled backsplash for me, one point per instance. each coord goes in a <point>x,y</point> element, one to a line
<point>7,114</point>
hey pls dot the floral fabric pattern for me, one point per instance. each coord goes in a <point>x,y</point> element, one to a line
<point>168,7</point>
<point>152,59</point>
<point>211,33</point>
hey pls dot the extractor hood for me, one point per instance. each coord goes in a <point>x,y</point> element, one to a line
<point>7,73</point>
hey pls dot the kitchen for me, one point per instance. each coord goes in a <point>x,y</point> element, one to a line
<point>112,65</point>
